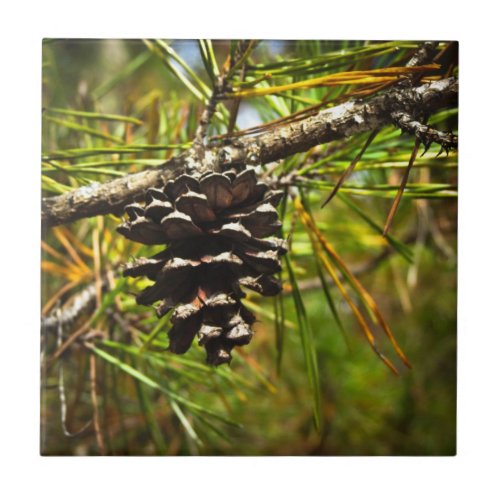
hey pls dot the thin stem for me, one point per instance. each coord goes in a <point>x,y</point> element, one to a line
<point>93,388</point>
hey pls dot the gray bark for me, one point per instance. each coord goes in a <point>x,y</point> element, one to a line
<point>339,122</point>
<point>427,135</point>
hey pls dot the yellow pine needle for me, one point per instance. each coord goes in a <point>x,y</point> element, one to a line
<point>65,272</point>
<point>84,249</point>
<point>368,299</point>
<point>364,325</point>
<point>369,90</point>
<point>59,256</point>
<point>302,113</point>
<point>257,369</point>
<point>50,303</point>
<point>366,77</point>
<point>108,237</point>
<point>61,237</point>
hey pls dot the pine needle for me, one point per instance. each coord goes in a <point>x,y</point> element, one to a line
<point>347,172</point>
<point>401,189</point>
<point>375,76</point>
<point>364,295</point>
<point>95,405</point>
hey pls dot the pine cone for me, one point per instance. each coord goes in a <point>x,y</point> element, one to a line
<point>217,229</point>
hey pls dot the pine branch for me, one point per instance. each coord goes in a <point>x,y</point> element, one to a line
<point>427,135</point>
<point>423,55</point>
<point>339,122</point>
<point>79,306</point>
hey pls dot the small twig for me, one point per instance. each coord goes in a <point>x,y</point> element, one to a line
<point>401,189</point>
<point>427,135</point>
<point>62,395</point>
<point>93,389</point>
<point>347,172</point>
<point>83,303</point>
<point>424,54</point>
<point>79,305</point>
<point>97,263</point>
<point>423,132</point>
<point>243,51</point>
<point>79,389</point>
<point>443,51</point>
<point>209,111</point>
<point>205,119</point>
<point>235,105</point>
<point>68,342</point>
<point>57,296</point>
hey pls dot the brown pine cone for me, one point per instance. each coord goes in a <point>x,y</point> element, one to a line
<point>217,228</point>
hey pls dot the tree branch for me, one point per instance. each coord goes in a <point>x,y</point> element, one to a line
<point>339,122</point>
<point>427,135</point>
<point>110,197</point>
<point>79,306</point>
<point>425,53</point>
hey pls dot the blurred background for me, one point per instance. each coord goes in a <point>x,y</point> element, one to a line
<point>108,386</point>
